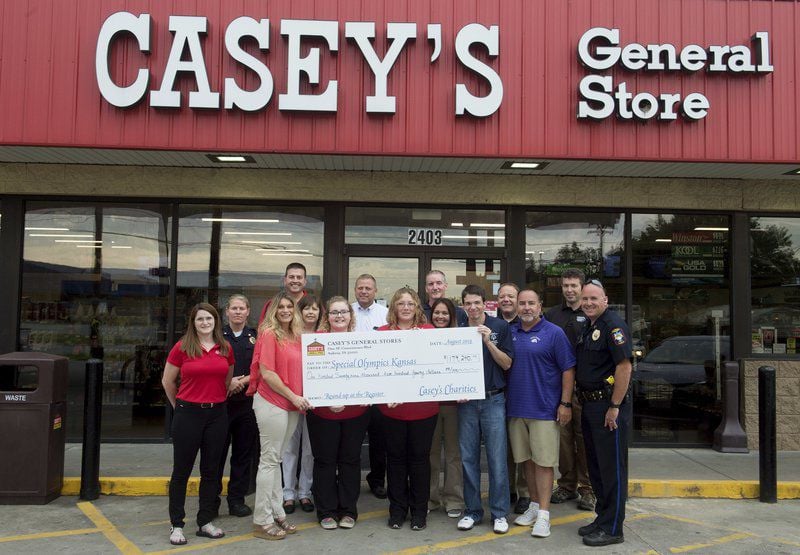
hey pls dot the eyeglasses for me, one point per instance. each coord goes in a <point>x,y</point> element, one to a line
<point>338,312</point>
<point>406,303</point>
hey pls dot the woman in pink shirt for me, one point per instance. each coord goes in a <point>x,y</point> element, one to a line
<point>276,385</point>
<point>409,430</point>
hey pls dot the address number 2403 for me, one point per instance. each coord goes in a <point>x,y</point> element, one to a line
<point>424,237</point>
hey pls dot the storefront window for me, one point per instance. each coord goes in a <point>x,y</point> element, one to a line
<point>775,282</point>
<point>224,250</point>
<point>681,325</point>
<point>93,287</point>
<point>424,227</point>
<point>591,242</point>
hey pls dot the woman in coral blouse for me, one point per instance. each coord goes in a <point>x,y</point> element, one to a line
<point>336,436</point>
<point>276,385</point>
<point>409,431</point>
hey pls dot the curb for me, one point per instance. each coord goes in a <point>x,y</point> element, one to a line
<point>689,489</point>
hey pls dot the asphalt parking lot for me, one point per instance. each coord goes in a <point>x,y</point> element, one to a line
<point>134,525</point>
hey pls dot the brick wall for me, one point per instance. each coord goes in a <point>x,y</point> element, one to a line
<point>787,389</point>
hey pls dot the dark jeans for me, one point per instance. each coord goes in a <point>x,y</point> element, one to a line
<point>196,429</point>
<point>377,448</point>
<point>336,445</point>
<point>408,469</point>
<point>241,439</point>
<point>607,459</point>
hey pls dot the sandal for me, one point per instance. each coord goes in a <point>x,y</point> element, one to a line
<point>269,532</point>
<point>210,531</point>
<point>286,526</point>
<point>176,536</point>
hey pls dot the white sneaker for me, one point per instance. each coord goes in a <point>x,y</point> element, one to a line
<point>500,525</point>
<point>541,529</point>
<point>466,523</point>
<point>528,517</point>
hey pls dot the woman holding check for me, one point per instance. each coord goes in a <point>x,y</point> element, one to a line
<point>276,385</point>
<point>202,361</point>
<point>336,437</point>
<point>409,430</point>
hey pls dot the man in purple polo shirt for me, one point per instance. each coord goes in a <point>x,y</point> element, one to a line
<point>538,399</point>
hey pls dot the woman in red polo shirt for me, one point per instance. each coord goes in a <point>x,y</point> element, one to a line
<point>336,436</point>
<point>203,361</point>
<point>276,385</point>
<point>409,430</point>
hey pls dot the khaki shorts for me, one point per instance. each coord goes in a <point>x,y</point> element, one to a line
<point>534,439</point>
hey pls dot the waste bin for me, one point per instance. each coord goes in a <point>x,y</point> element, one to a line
<point>33,392</point>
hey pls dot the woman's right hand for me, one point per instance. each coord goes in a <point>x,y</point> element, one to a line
<point>301,403</point>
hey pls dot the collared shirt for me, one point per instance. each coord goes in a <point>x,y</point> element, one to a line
<point>203,377</point>
<point>541,355</point>
<point>602,346</point>
<point>493,374</point>
<point>243,347</point>
<point>571,321</point>
<point>370,318</point>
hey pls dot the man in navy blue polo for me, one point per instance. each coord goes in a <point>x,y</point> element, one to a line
<point>486,417</point>
<point>538,400</point>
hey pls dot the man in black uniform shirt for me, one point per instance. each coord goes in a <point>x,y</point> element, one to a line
<point>242,427</point>
<point>603,373</point>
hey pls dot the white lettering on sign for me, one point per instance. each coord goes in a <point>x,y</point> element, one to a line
<point>599,97</point>
<point>15,397</point>
<point>188,33</point>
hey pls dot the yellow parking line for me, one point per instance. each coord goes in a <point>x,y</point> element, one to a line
<point>122,543</point>
<point>489,536</point>
<point>712,543</point>
<point>784,541</point>
<point>56,534</point>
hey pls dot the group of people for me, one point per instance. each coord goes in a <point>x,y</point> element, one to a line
<point>230,383</point>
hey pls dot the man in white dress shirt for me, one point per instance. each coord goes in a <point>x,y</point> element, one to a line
<point>369,314</point>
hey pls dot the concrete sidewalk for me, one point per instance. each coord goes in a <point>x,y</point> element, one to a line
<point>143,469</point>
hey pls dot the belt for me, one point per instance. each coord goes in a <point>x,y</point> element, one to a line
<point>492,392</point>
<point>584,395</point>
<point>183,403</point>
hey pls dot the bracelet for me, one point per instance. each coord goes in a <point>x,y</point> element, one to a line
<point>613,405</point>
<point>565,404</point>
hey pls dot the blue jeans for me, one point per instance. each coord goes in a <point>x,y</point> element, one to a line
<point>487,418</point>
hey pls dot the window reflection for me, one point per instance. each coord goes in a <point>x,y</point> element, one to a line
<point>226,250</point>
<point>775,279</point>
<point>680,328</point>
<point>92,288</point>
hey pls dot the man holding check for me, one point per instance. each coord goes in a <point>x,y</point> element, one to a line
<point>486,417</point>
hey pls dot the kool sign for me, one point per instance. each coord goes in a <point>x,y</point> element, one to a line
<point>187,31</point>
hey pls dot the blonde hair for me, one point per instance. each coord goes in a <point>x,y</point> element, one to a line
<point>419,315</point>
<point>271,323</point>
<point>326,323</point>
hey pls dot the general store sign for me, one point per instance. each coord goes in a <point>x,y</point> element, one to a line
<point>599,50</point>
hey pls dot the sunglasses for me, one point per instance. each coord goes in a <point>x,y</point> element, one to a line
<point>595,282</point>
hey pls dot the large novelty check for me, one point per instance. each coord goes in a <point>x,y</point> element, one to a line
<point>392,366</point>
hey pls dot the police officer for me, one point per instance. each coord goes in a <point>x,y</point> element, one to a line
<point>603,373</point>
<point>242,427</point>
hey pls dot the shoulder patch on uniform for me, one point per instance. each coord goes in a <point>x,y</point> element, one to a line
<point>618,336</point>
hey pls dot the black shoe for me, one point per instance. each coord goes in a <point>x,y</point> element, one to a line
<point>307,505</point>
<point>588,529</point>
<point>599,538</point>
<point>395,523</point>
<point>240,510</point>
<point>288,506</point>
<point>522,505</point>
<point>513,497</point>
<point>378,491</point>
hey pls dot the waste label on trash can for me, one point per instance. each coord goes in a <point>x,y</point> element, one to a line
<point>16,397</point>
<point>57,423</point>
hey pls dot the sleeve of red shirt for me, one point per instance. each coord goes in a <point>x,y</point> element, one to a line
<point>176,357</point>
<point>230,357</point>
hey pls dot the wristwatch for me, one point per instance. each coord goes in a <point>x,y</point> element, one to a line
<point>565,404</point>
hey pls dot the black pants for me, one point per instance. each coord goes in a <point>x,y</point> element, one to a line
<point>241,440</point>
<point>408,469</point>
<point>336,445</point>
<point>196,429</point>
<point>607,459</point>
<point>377,448</point>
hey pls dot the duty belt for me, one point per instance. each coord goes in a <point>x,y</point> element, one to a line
<point>584,395</point>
